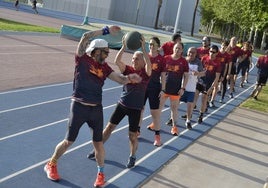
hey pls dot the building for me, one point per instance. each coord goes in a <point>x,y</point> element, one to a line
<point>137,12</point>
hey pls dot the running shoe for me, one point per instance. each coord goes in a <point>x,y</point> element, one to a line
<point>188,125</point>
<point>52,172</point>
<point>91,155</point>
<point>184,116</point>
<point>211,104</point>
<point>200,119</point>
<point>131,162</point>
<point>157,140</point>
<point>169,122</point>
<point>174,131</point>
<point>100,180</point>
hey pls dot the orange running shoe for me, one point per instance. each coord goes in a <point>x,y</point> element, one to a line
<point>151,127</point>
<point>174,131</point>
<point>157,140</point>
<point>52,172</point>
<point>99,180</point>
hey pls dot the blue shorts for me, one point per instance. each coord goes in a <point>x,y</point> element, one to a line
<point>187,96</point>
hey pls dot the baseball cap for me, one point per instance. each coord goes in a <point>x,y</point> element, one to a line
<point>96,43</point>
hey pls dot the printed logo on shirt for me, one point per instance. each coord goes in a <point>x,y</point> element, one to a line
<point>221,59</point>
<point>154,66</point>
<point>210,67</point>
<point>96,71</point>
<point>173,68</point>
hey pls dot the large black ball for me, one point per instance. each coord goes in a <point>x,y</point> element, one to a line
<point>133,40</point>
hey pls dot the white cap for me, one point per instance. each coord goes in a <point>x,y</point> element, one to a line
<point>96,43</point>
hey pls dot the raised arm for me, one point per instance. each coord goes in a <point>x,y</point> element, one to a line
<point>148,66</point>
<point>121,65</point>
<point>84,41</point>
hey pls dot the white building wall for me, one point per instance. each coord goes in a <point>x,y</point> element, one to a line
<point>139,12</point>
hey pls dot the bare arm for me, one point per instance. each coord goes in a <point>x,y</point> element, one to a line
<point>163,80</point>
<point>216,79</point>
<point>121,65</point>
<point>84,41</point>
<point>229,70</point>
<point>119,78</point>
<point>185,79</point>
<point>225,71</point>
<point>148,66</point>
<point>125,79</point>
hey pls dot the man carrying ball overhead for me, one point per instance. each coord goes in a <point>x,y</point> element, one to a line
<point>132,97</point>
<point>91,70</point>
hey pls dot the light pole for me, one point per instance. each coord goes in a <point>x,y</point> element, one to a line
<point>138,9</point>
<point>85,22</point>
<point>177,17</point>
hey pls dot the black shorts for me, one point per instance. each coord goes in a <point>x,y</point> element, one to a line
<point>233,69</point>
<point>152,95</point>
<point>80,114</point>
<point>133,117</point>
<point>201,88</point>
<point>243,68</point>
<point>262,79</point>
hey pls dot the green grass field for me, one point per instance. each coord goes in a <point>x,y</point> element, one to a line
<point>261,104</point>
<point>7,25</point>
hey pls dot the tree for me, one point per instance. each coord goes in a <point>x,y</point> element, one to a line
<point>236,16</point>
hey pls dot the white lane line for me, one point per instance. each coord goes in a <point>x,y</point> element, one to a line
<point>27,53</point>
<point>126,170</point>
<point>172,139</point>
<point>126,126</point>
<point>34,88</point>
<point>39,164</point>
<point>31,130</point>
<point>36,45</point>
<point>32,105</point>
<point>43,126</point>
<point>68,151</point>
<point>46,102</point>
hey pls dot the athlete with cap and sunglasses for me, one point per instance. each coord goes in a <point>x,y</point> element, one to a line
<point>91,70</point>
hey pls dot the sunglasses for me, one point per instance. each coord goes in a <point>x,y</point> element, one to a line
<point>151,44</point>
<point>213,52</point>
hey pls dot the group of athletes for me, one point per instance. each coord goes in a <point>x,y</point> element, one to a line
<point>160,74</point>
<point>207,70</point>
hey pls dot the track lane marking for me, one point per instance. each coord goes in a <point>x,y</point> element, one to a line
<point>47,102</point>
